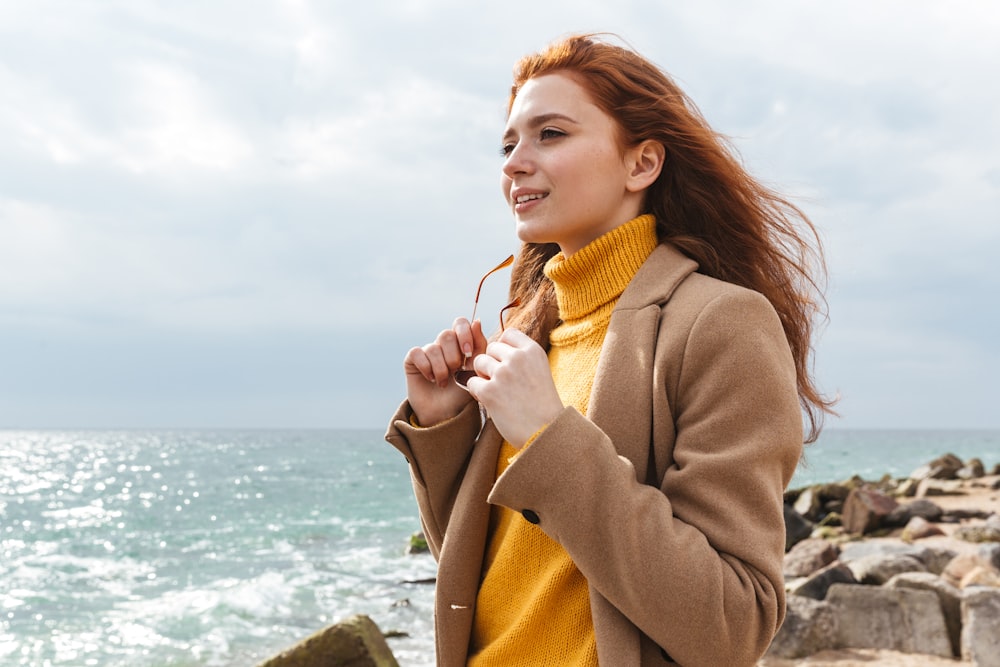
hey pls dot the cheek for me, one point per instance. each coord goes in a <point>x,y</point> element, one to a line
<point>505,187</point>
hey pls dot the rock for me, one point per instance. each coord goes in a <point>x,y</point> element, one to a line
<point>897,619</point>
<point>973,469</point>
<point>980,576</point>
<point>990,553</point>
<point>808,556</point>
<point>809,504</point>
<point>864,510</point>
<point>936,487</point>
<point>809,627</point>
<point>980,533</point>
<point>877,569</point>
<point>418,544</point>
<point>949,597</point>
<point>921,507</point>
<point>797,527</point>
<point>817,584</point>
<point>354,642</point>
<point>943,467</point>
<point>918,528</point>
<point>962,564</point>
<point>981,627</point>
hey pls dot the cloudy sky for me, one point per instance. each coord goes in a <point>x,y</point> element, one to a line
<point>242,214</point>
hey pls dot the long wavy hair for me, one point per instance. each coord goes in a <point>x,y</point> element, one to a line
<point>705,202</point>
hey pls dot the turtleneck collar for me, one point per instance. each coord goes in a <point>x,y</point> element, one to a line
<point>598,273</point>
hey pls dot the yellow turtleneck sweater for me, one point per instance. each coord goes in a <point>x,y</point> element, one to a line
<point>533,606</point>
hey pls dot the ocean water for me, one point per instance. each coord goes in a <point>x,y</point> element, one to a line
<point>221,548</point>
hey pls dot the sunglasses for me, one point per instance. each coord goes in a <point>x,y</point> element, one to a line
<point>463,374</point>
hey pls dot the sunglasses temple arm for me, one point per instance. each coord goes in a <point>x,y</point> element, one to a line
<point>479,289</point>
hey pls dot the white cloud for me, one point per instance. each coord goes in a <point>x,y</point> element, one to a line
<point>295,170</point>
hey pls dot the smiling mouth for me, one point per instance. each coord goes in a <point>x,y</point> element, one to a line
<point>526,198</point>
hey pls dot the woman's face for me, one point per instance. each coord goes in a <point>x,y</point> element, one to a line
<point>565,176</point>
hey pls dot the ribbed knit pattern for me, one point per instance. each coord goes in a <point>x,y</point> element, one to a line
<point>533,606</point>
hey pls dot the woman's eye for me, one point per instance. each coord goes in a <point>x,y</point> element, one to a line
<point>549,133</point>
<point>506,150</point>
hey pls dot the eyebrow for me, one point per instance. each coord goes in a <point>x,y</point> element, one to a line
<point>541,119</point>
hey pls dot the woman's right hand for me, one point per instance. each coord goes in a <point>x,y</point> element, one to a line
<point>431,390</point>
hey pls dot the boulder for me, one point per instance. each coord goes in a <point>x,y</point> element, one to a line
<point>817,584</point>
<point>808,556</point>
<point>978,533</point>
<point>921,507</point>
<point>897,619</point>
<point>943,467</point>
<point>918,528</point>
<point>354,642</point>
<point>981,576</point>
<point>949,596</point>
<point>981,627</point>
<point>797,527</point>
<point>938,487</point>
<point>865,508</point>
<point>990,553</point>
<point>961,565</point>
<point>877,569</point>
<point>809,627</point>
<point>973,469</point>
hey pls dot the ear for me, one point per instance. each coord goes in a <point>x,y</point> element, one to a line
<point>644,163</point>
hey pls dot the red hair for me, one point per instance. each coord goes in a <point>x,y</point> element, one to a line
<point>704,201</point>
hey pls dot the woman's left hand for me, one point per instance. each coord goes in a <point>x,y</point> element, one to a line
<point>515,386</point>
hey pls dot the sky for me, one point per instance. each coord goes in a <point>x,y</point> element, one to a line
<point>244,213</point>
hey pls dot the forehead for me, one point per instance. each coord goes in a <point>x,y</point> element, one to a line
<point>550,94</point>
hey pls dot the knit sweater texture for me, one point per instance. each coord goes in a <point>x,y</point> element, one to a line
<point>533,606</point>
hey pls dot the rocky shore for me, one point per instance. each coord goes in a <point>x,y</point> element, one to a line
<point>894,572</point>
<point>879,573</point>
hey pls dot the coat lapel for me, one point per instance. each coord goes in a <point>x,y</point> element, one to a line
<point>621,403</point>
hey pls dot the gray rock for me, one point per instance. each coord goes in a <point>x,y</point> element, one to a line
<point>898,619</point>
<point>797,527</point>
<point>943,467</point>
<point>817,584</point>
<point>877,569</point>
<point>981,533</point>
<point>990,553</point>
<point>921,507</point>
<point>949,596</point>
<point>981,626</point>
<point>808,556</point>
<point>809,627</point>
<point>940,487</point>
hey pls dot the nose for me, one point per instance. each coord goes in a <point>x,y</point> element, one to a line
<point>518,161</point>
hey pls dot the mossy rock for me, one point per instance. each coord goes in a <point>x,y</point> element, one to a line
<point>354,642</point>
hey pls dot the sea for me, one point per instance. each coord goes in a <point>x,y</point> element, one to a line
<point>221,548</point>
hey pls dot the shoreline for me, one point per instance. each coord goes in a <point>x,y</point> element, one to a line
<point>968,502</point>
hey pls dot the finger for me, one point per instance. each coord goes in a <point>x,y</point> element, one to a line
<point>448,341</point>
<point>439,370</point>
<point>416,362</point>
<point>466,338</point>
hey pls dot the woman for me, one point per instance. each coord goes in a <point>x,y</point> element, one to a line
<point>608,486</point>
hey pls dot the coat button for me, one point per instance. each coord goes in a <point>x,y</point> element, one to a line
<point>530,516</point>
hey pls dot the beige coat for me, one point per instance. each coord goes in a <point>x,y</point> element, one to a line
<point>668,495</point>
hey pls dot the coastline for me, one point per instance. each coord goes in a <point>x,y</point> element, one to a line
<point>965,503</point>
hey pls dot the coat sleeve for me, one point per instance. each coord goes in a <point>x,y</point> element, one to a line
<point>438,457</point>
<point>696,563</point>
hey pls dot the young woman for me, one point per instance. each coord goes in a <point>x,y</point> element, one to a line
<point>608,485</point>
